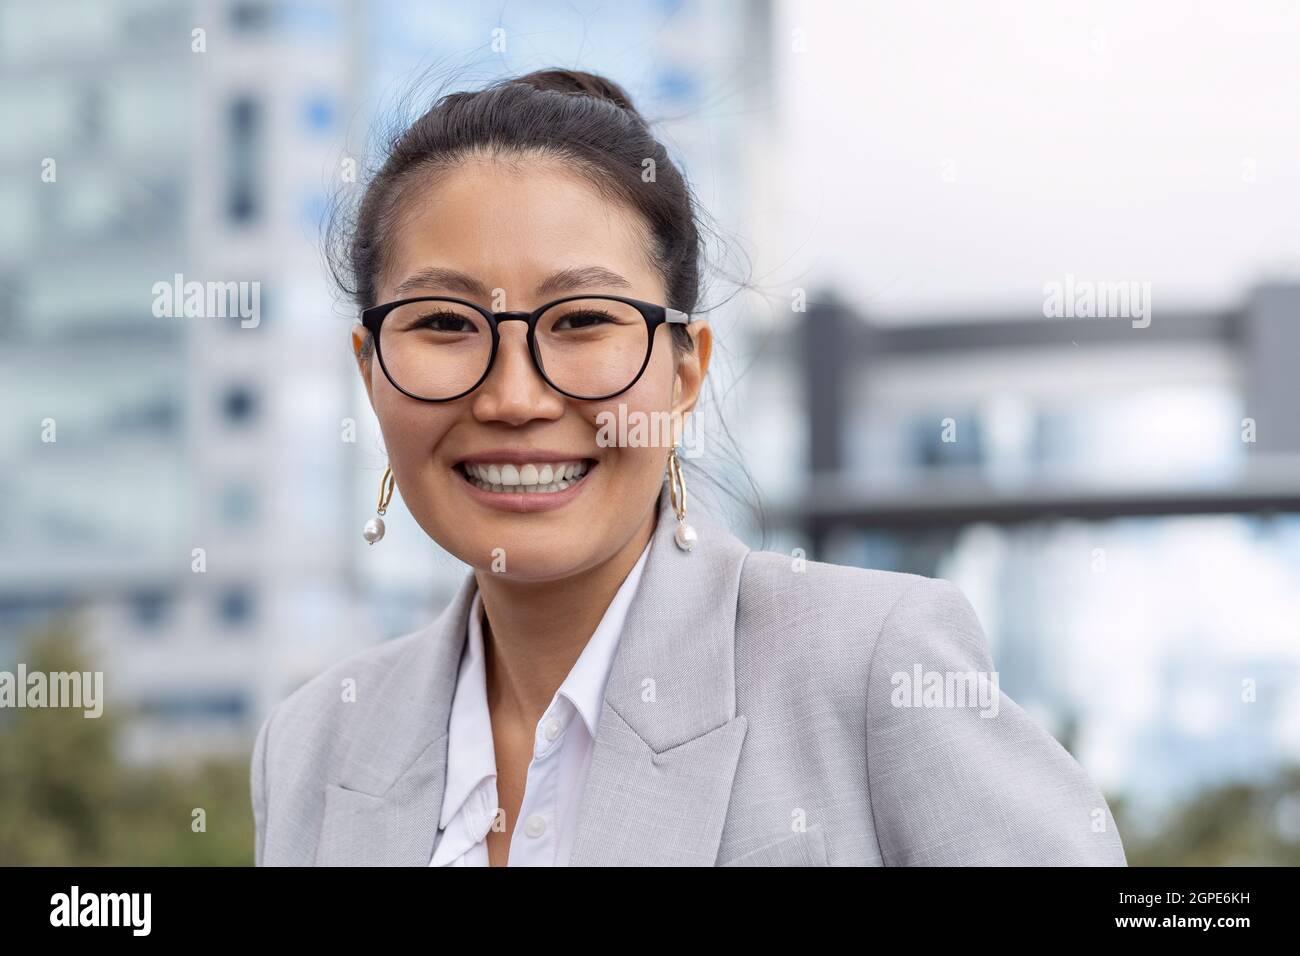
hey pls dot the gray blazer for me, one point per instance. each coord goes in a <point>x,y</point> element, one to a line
<point>757,714</point>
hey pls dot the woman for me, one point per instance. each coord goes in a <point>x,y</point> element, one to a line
<point>619,680</point>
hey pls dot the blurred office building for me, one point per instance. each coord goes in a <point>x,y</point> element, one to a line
<point>194,486</point>
<point>1118,499</point>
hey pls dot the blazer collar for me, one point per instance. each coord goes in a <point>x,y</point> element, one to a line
<point>666,745</point>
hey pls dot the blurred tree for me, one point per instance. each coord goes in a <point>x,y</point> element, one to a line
<point>66,798</point>
<point>1235,824</point>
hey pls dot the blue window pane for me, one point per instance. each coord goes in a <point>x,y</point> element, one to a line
<point>235,608</point>
<point>226,706</point>
<point>318,113</point>
<point>239,405</point>
<point>149,608</point>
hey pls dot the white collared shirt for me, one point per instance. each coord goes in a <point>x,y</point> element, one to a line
<point>544,832</point>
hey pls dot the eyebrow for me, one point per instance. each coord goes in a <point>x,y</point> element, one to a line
<point>566,280</point>
<point>584,277</point>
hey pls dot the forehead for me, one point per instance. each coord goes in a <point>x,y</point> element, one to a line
<point>510,222</point>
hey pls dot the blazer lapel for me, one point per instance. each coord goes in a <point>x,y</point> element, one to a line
<point>384,810</point>
<point>668,738</point>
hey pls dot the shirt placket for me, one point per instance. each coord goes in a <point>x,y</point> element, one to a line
<point>536,834</point>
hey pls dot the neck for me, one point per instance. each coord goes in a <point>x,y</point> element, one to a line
<point>535,631</point>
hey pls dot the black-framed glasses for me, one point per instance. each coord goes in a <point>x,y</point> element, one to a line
<point>437,348</point>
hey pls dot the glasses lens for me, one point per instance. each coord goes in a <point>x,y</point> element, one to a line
<point>592,347</point>
<point>435,348</point>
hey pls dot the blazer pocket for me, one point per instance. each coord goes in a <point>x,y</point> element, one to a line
<point>798,849</point>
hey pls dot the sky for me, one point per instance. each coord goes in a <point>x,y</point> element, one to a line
<point>945,158</point>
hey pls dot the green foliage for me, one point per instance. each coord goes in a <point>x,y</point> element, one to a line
<point>66,798</point>
<point>1236,824</point>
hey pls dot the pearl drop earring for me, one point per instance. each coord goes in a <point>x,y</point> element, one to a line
<point>374,529</point>
<point>685,535</point>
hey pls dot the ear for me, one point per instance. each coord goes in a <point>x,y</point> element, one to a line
<point>692,366</point>
<point>363,351</point>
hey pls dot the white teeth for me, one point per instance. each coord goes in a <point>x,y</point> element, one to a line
<point>545,478</point>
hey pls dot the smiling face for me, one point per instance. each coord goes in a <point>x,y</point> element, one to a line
<point>516,465</point>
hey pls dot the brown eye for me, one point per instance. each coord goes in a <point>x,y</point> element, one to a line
<point>445,322</point>
<point>586,319</point>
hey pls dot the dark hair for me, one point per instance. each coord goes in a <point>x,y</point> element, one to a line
<point>579,118</point>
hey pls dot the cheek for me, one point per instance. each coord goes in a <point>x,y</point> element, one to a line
<point>640,423</point>
<point>410,428</point>
<point>653,392</point>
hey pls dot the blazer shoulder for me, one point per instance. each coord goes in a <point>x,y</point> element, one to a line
<point>828,601</point>
<point>310,723</point>
<point>353,725</point>
<point>1011,793</point>
<point>794,572</point>
<point>831,620</point>
<point>379,662</point>
<point>964,777</point>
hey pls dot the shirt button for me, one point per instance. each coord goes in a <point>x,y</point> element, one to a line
<point>535,826</point>
<point>551,729</point>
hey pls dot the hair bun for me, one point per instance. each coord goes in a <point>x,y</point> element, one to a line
<point>578,81</point>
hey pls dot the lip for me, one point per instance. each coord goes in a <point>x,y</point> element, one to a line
<point>523,502</point>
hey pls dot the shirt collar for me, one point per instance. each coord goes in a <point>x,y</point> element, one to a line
<point>471,755</point>
<point>585,685</point>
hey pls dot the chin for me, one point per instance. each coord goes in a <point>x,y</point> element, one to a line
<point>518,547</point>
<point>530,561</point>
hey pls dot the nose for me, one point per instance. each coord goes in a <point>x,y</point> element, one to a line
<point>515,392</point>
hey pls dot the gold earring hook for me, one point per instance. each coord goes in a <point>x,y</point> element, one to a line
<point>386,484</point>
<point>676,485</point>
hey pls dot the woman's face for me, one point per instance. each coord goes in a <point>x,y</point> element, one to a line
<point>505,235</point>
